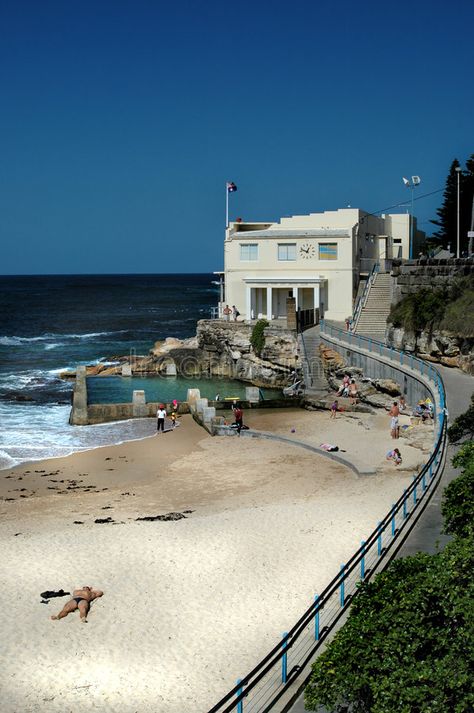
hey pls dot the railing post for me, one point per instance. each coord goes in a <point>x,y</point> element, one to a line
<point>240,704</point>
<point>284,658</point>
<point>414,491</point>
<point>411,361</point>
<point>405,504</point>
<point>379,539</point>
<point>380,348</point>
<point>431,470</point>
<point>362,561</point>
<point>316,618</point>
<point>423,482</point>
<point>393,520</point>
<point>422,368</point>
<point>342,596</point>
<point>370,344</point>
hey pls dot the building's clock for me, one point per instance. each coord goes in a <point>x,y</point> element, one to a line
<point>307,251</point>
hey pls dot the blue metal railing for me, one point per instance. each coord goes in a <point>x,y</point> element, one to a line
<point>262,688</point>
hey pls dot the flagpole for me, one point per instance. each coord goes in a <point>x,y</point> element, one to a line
<point>226,206</point>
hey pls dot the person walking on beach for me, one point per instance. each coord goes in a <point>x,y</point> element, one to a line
<point>334,406</point>
<point>81,599</point>
<point>160,418</point>
<point>394,422</point>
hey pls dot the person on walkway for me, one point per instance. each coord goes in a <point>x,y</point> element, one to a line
<point>394,422</point>
<point>160,418</point>
<point>235,313</point>
<point>334,407</point>
<point>394,455</point>
<point>173,419</point>
<point>81,600</point>
<point>227,312</point>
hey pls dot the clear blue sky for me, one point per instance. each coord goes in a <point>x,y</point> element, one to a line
<point>121,121</point>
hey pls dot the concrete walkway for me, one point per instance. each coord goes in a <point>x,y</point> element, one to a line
<point>427,535</point>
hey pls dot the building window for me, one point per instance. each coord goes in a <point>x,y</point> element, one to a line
<point>287,251</point>
<point>249,251</point>
<point>397,241</point>
<point>327,251</point>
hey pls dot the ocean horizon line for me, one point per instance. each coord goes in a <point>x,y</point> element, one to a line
<point>102,274</point>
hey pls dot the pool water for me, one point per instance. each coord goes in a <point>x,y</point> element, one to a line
<point>119,389</point>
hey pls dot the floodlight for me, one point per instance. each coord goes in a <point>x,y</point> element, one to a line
<point>416,180</point>
<point>406,181</point>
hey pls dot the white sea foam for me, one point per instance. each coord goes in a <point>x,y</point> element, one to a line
<point>16,341</point>
<point>39,431</point>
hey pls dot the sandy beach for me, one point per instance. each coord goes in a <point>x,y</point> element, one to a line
<point>189,605</point>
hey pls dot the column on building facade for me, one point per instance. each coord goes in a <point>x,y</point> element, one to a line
<point>317,297</point>
<point>269,304</point>
<point>248,302</point>
<point>295,295</point>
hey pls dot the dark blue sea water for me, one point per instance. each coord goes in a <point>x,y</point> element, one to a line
<point>51,323</point>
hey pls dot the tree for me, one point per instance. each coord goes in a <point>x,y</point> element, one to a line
<point>257,338</point>
<point>408,643</point>
<point>463,425</point>
<point>457,506</point>
<point>447,214</point>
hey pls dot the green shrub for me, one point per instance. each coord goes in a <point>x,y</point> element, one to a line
<point>457,506</point>
<point>257,338</point>
<point>450,309</point>
<point>463,425</point>
<point>408,641</point>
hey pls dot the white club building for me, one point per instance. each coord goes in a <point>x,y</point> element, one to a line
<point>318,259</point>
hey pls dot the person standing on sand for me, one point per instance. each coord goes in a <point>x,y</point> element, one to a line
<point>394,422</point>
<point>81,599</point>
<point>353,392</point>
<point>334,406</point>
<point>160,418</point>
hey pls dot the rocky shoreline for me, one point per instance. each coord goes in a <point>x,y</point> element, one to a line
<point>220,349</point>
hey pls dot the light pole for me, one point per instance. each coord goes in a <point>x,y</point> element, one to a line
<point>458,171</point>
<point>411,183</point>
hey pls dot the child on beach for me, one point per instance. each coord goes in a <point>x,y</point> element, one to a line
<point>334,406</point>
<point>173,420</point>
<point>394,455</point>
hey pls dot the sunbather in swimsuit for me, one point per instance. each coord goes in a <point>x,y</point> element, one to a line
<point>81,600</point>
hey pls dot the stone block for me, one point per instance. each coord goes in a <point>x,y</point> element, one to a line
<point>201,404</point>
<point>170,369</point>
<point>126,369</point>
<point>252,394</point>
<point>139,408</point>
<point>208,413</point>
<point>193,395</point>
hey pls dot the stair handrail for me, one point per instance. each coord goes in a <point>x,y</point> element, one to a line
<point>362,301</point>
<point>310,374</point>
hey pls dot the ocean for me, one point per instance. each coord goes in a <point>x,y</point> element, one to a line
<point>52,323</point>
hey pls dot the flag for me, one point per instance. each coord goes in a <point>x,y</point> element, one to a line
<point>231,187</point>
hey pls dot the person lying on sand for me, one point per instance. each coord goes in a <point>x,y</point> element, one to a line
<point>81,599</point>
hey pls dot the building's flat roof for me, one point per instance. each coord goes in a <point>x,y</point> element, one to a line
<point>282,233</point>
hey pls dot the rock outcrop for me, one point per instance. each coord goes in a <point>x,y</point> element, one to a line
<point>441,347</point>
<point>221,349</point>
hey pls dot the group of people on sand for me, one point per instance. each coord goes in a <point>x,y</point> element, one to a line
<point>161,414</point>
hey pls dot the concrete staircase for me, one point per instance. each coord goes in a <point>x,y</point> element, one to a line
<point>373,317</point>
<point>313,373</point>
